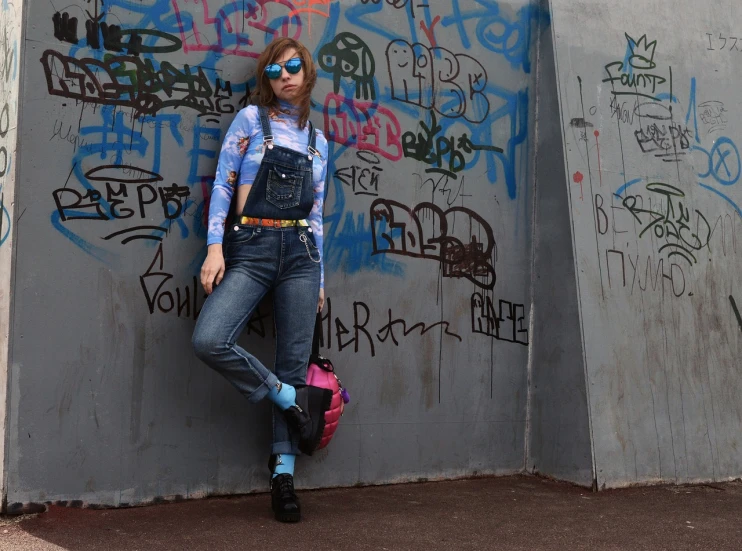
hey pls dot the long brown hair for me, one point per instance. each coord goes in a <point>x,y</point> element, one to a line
<point>263,93</point>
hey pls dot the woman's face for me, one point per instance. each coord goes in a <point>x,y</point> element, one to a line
<point>286,86</point>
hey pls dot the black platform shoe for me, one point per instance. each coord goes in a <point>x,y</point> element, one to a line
<point>283,499</point>
<point>307,417</point>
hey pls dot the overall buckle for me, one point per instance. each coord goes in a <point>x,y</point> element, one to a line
<point>313,152</point>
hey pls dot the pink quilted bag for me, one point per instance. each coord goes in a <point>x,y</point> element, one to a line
<point>321,373</point>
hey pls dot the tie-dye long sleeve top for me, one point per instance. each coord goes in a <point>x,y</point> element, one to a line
<point>240,159</point>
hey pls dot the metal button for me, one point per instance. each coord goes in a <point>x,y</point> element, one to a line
<point>309,230</point>
<point>236,228</point>
<point>283,175</point>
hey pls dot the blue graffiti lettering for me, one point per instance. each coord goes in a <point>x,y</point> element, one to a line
<point>724,163</point>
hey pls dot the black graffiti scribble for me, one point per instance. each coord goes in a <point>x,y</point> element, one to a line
<point>580,123</point>
<point>362,178</point>
<point>388,329</point>
<point>114,40</point>
<point>460,239</point>
<point>75,139</point>
<point>111,35</point>
<point>114,37</point>
<point>360,330</point>
<point>173,198</point>
<point>713,114</point>
<point>736,312</point>
<point>186,302</point>
<point>430,148</point>
<point>506,323</point>
<point>349,57</point>
<point>450,187</point>
<point>668,142</point>
<point>360,309</point>
<point>132,82</point>
<point>155,272</point>
<point>673,226</point>
<point>655,273</point>
<point>113,205</point>
<point>124,174</point>
<point>401,4</point>
<point>130,234</point>
<point>436,78</point>
<point>723,40</point>
<point>633,78</point>
<point>65,27</point>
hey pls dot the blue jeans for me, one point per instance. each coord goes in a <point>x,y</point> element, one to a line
<point>259,259</point>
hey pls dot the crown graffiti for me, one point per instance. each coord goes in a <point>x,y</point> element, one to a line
<point>642,52</point>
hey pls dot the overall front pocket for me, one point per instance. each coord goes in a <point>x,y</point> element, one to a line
<point>283,189</point>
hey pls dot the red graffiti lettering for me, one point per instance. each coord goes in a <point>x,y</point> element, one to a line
<point>364,125</point>
<point>429,31</point>
<point>233,28</point>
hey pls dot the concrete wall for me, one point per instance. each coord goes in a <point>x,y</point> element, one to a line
<point>10,44</point>
<point>125,108</point>
<point>650,119</point>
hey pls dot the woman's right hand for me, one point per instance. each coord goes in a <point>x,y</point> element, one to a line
<point>212,270</point>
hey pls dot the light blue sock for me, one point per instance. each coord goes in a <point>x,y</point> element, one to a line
<point>283,395</point>
<point>284,464</point>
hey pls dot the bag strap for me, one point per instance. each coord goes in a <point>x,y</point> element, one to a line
<point>317,331</point>
<point>322,362</point>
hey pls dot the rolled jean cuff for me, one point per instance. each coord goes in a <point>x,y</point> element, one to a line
<point>285,447</point>
<point>262,391</point>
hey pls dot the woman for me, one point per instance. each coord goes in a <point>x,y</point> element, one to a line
<point>277,163</point>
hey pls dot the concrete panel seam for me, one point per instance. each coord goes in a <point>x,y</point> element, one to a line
<point>534,238</point>
<point>13,238</point>
<point>577,267</point>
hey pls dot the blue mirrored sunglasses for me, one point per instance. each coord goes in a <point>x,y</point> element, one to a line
<point>293,66</point>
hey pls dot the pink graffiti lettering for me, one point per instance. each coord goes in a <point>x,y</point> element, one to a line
<point>227,30</point>
<point>364,125</point>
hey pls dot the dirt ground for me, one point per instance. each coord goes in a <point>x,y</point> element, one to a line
<point>519,513</point>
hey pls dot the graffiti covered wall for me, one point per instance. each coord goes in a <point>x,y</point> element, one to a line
<point>428,110</point>
<point>10,42</point>
<point>651,133</point>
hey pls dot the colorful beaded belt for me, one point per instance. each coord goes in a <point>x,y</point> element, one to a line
<point>270,222</point>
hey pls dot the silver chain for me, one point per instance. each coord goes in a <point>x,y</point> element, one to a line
<point>303,237</point>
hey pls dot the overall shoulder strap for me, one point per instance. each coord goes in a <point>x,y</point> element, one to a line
<point>312,136</point>
<point>265,124</point>
<point>312,146</point>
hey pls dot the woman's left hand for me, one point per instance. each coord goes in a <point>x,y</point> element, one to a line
<point>321,302</point>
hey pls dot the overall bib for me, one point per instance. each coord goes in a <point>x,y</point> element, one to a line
<point>283,185</point>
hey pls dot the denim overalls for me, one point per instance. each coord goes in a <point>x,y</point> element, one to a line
<point>259,259</point>
<point>283,185</point>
